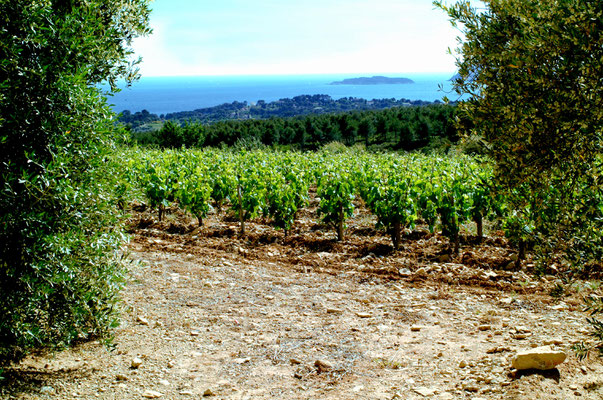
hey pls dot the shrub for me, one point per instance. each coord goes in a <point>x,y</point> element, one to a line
<point>59,269</point>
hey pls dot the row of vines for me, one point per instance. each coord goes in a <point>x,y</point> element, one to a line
<point>400,190</point>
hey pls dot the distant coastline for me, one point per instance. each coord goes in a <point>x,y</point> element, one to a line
<point>164,95</point>
<point>284,108</point>
<point>374,80</point>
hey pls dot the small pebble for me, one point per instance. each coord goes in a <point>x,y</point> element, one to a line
<point>151,394</point>
<point>136,362</point>
<point>323,365</point>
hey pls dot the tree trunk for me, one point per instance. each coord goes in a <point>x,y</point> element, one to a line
<point>480,227</point>
<point>521,254</point>
<point>200,221</point>
<point>161,210</point>
<point>396,235</point>
<point>241,214</point>
<point>457,243</point>
<point>340,224</point>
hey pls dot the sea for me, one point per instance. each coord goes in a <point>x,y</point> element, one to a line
<point>161,95</point>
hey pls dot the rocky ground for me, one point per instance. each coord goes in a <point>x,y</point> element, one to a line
<point>209,315</point>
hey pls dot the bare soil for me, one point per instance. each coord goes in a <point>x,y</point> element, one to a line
<point>211,315</point>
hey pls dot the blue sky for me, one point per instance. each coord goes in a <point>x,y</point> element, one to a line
<point>267,37</point>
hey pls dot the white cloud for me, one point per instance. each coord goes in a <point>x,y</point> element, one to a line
<point>278,38</point>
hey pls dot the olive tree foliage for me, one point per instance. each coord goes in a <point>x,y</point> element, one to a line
<point>59,269</point>
<point>531,72</point>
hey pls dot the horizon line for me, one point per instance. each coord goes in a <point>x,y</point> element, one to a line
<point>300,74</point>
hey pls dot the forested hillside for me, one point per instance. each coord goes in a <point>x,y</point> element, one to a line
<point>405,128</point>
<point>296,106</point>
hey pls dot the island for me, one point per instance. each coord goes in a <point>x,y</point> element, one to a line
<point>375,80</point>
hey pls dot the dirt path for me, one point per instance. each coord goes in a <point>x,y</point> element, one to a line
<point>209,315</point>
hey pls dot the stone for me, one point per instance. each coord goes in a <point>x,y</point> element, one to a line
<point>415,328</point>
<point>484,327</point>
<point>462,364</point>
<point>47,390</point>
<point>142,320</point>
<point>121,377</point>
<point>164,382</point>
<point>470,387</point>
<point>364,315</point>
<point>208,392</point>
<point>323,365</point>
<point>425,392</point>
<point>541,358</point>
<point>136,362</point>
<point>334,310</point>
<point>295,361</point>
<point>151,394</point>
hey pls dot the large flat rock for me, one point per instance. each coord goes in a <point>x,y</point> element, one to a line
<point>542,358</point>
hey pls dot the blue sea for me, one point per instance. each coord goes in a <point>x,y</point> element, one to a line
<point>160,95</point>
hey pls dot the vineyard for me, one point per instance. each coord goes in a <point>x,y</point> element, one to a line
<point>441,193</point>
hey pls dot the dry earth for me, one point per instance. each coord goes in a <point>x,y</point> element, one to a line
<point>208,315</point>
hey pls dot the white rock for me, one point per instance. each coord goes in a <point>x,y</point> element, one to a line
<point>323,365</point>
<point>142,320</point>
<point>541,358</point>
<point>47,390</point>
<point>364,315</point>
<point>136,362</point>
<point>425,392</point>
<point>151,394</point>
<point>121,377</point>
<point>357,389</point>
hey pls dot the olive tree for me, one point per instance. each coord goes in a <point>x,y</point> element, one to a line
<point>59,269</point>
<point>531,72</point>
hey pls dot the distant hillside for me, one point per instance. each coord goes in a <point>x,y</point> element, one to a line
<point>375,80</point>
<point>297,106</point>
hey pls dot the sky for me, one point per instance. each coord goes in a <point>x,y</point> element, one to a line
<point>287,37</point>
